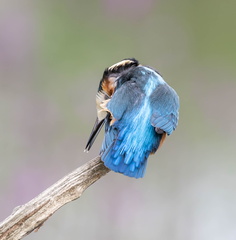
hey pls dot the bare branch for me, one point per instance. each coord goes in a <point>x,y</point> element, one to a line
<point>33,214</point>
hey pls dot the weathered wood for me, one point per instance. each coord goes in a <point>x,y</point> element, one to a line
<point>30,216</point>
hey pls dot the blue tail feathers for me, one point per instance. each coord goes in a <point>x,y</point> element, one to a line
<point>126,163</point>
<point>127,153</point>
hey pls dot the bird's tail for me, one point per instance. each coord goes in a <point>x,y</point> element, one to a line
<point>126,150</point>
<point>132,164</point>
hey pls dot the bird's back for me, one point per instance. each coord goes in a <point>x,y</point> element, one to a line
<point>129,140</point>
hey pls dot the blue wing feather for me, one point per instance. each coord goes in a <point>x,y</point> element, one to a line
<point>165,105</point>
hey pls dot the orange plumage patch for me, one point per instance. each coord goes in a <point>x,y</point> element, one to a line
<point>108,85</point>
<point>162,139</point>
<point>161,142</point>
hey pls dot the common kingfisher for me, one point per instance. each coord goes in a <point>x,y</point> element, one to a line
<point>138,109</point>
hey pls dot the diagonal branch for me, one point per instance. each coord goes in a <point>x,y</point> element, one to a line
<point>33,214</point>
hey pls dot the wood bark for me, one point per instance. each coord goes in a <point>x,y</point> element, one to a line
<point>30,216</point>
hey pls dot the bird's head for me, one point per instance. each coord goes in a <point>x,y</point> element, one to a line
<point>111,74</point>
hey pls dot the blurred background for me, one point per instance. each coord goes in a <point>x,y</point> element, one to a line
<point>52,56</point>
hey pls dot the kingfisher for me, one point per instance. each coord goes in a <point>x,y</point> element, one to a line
<point>139,109</point>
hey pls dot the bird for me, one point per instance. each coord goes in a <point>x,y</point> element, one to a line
<point>139,109</point>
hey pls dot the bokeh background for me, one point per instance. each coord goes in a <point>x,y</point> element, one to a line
<point>52,56</point>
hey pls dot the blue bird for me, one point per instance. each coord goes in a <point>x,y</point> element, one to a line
<point>138,109</point>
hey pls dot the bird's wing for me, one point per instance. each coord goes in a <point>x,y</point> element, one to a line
<point>110,110</point>
<point>125,98</point>
<point>119,151</point>
<point>117,106</point>
<point>165,106</point>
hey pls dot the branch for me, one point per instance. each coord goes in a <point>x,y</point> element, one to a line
<point>33,214</point>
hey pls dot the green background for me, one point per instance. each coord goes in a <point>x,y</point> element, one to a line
<point>52,56</point>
